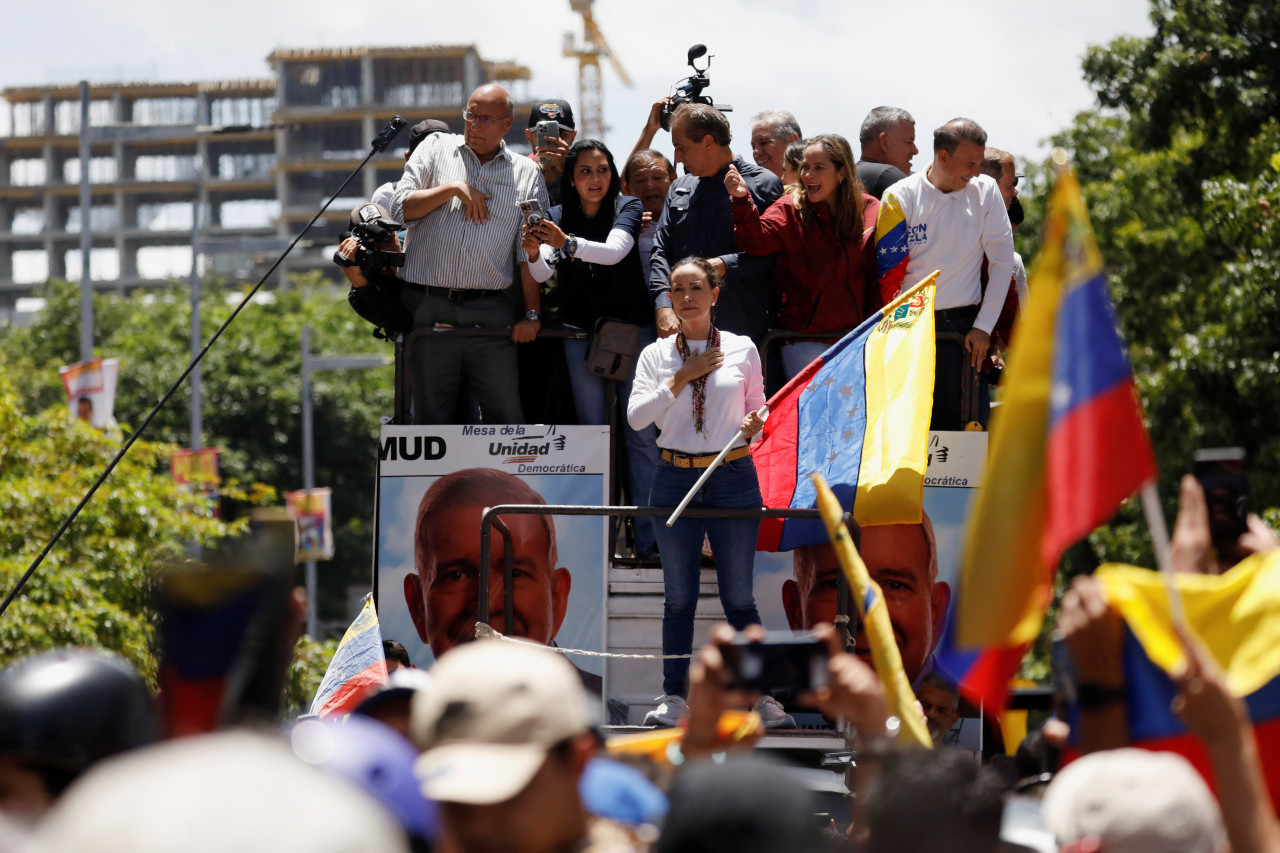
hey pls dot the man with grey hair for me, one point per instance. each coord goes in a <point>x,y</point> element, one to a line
<point>771,132</point>
<point>460,198</point>
<point>888,138</point>
<point>697,221</point>
<point>903,560</point>
<point>948,218</point>
<point>940,700</point>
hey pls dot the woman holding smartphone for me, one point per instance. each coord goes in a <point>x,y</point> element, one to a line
<point>589,241</point>
<point>700,386</point>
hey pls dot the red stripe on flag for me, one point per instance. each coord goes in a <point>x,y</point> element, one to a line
<point>775,459</point>
<point>1189,747</point>
<point>987,681</point>
<point>350,692</point>
<point>1096,456</point>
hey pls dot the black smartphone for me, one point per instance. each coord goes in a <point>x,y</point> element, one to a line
<point>1224,478</point>
<point>783,663</point>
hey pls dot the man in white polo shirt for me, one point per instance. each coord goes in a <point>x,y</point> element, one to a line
<point>946,218</point>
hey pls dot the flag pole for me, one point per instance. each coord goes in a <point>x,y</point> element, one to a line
<point>1160,539</point>
<point>715,463</point>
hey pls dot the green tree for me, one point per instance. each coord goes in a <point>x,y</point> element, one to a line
<point>94,587</point>
<point>1180,165</point>
<point>251,384</point>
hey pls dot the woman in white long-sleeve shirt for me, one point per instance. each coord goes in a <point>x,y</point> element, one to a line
<point>590,242</point>
<point>700,387</point>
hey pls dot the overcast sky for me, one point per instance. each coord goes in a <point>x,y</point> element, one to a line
<point>1012,66</point>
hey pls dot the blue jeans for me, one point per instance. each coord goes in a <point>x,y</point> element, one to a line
<point>733,541</point>
<point>642,445</point>
<point>796,356</point>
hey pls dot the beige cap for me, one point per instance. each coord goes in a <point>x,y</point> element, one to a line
<point>1134,801</point>
<point>494,710</point>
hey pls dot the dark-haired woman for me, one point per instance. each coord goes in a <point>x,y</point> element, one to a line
<point>700,386</point>
<point>822,233</point>
<point>589,241</point>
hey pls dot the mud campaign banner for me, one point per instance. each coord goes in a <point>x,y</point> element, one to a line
<point>433,484</point>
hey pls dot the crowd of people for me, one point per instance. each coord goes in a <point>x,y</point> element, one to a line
<point>498,748</point>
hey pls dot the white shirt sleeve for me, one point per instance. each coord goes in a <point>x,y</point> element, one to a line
<point>650,396</point>
<point>610,252</point>
<point>540,268</point>
<point>997,243</point>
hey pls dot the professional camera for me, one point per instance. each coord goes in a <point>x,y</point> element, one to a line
<point>689,90</point>
<point>373,227</point>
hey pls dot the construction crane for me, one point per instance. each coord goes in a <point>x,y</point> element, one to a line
<point>590,86</point>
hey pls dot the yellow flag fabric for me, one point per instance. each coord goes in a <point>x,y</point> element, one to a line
<point>1236,615</point>
<point>875,620</point>
<point>899,361</point>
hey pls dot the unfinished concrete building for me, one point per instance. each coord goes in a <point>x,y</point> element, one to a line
<point>258,157</point>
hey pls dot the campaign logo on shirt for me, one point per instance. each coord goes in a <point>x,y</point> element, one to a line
<point>917,235</point>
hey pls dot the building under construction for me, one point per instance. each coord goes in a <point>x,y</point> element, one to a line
<point>248,161</point>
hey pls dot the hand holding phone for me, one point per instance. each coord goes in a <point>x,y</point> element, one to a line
<point>782,663</point>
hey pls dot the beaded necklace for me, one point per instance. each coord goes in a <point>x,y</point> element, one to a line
<point>698,385</point>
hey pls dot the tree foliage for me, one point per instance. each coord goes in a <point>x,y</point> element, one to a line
<point>1181,168</point>
<point>251,389</point>
<point>94,588</point>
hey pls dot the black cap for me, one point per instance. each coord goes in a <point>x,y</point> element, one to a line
<point>68,708</point>
<point>423,129</point>
<point>552,108</point>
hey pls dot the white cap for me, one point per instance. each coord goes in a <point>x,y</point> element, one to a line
<point>1134,801</point>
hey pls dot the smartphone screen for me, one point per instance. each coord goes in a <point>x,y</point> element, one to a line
<point>1224,478</point>
<point>784,663</point>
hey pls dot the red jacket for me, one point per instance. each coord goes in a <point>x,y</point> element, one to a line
<point>825,285</point>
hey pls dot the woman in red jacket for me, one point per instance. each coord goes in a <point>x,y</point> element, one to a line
<point>823,233</point>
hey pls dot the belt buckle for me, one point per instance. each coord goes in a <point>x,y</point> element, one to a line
<point>456,296</point>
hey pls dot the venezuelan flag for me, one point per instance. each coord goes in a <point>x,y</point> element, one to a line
<point>357,665</point>
<point>873,615</point>
<point>1067,447</point>
<point>1237,617</point>
<point>858,415</point>
<point>891,247</point>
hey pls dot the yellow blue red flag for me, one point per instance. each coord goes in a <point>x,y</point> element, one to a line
<point>357,665</point>
<point>1236,616</point>
<point>859,416</point>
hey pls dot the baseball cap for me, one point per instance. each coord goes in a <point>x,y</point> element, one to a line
<point>1134,801</point>
<point>367,211</point>
<point>423,129</point>
<point>493,713</point>
<point>552,108</point>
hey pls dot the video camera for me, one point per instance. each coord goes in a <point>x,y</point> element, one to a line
<point>689,90</point>
<point>372,226</point>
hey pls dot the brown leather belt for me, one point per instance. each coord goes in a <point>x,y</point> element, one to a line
<point>691,460</point>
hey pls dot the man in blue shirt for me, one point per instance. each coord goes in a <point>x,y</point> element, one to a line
<point>697,220</point>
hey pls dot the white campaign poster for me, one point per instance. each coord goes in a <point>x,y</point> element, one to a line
<point>433,483</point>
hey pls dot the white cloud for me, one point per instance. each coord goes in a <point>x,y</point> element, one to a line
<point>1014,67</point>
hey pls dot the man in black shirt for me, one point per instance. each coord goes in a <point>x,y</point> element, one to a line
<point>697,220</point>
<point>888,138</point>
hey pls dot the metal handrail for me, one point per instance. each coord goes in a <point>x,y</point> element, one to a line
<point>490,519</point>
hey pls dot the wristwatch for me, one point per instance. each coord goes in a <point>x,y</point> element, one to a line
<point>531,314</point>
